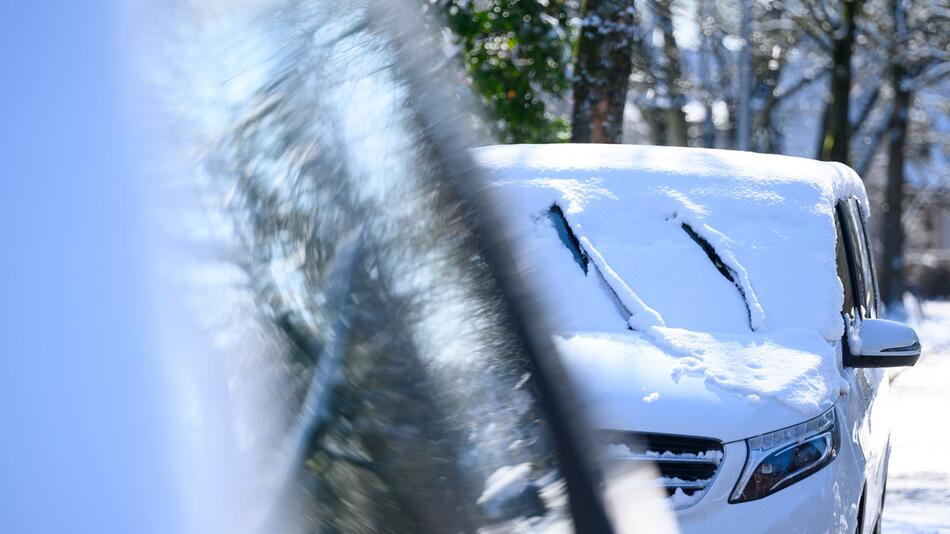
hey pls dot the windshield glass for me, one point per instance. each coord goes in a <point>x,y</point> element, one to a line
<point>699,240</point>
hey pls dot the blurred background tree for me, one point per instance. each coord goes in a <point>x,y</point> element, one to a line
<point>517,55</point>
<point>608,35</point>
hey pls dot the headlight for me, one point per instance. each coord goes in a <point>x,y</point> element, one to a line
<point>779,459</point>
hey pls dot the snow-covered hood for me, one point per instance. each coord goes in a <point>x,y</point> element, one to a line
<point>727,387</point>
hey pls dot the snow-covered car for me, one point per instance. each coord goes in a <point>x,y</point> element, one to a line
<point>718,312</point>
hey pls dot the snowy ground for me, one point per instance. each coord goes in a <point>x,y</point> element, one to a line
<point>918,487</point>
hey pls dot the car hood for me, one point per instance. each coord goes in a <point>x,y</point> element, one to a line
<point>727,387</point>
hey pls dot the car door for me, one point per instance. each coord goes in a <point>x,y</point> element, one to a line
<point>866,404</point>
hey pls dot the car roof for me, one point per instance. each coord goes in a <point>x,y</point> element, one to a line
<point>754,169</point>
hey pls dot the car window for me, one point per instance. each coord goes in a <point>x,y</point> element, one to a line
<point>871,288</point>
<point>844,270</point>
<point>867,297</point>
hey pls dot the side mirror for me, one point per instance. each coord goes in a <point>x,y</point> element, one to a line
<point>882,343</point>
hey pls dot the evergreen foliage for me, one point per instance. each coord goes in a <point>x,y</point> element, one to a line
<point>517,53</point>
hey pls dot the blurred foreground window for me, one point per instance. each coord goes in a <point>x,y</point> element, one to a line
<point>385,370</point>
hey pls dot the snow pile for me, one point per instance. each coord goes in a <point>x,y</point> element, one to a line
<point>618,450</point>
<point>506,483</point>
<point>673,241</point>
<point>509,493</point>
<point>712,455</point>
<point>918,485</point>
<point>795,367</point>
<point>680,499</point>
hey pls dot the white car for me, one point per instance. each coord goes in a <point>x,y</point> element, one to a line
<point>718,312</point>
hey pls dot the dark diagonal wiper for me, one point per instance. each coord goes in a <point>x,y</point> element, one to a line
<point>725,270</point>
<point>568,239</point>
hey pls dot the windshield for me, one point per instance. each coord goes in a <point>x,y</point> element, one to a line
<point>655,231</point>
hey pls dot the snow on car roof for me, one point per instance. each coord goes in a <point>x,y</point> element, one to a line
<point>667,238</point>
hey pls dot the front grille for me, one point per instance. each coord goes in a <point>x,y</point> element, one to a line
<point>687,465</point>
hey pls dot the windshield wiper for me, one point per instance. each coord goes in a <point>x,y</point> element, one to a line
<point>629,305</point>
<point>568,239</point>
<point>725,270</point>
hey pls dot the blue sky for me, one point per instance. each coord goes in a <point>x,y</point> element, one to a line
<point>83,446</point>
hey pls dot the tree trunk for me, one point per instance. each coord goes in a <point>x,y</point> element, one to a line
<point>744,122</point>
<point>676,127</point>
<point>602,70</point>
<point>768,69</point>
<point>837,133</point>
<point>892,271</point>
<point>708,138</point>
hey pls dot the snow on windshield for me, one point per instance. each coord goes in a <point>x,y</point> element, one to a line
<point>681,240</point>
